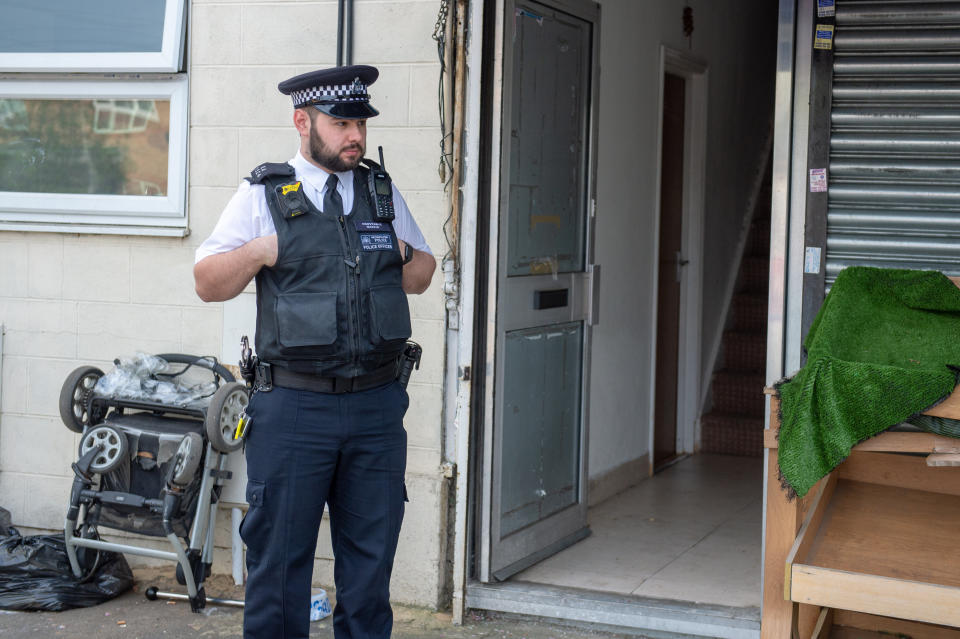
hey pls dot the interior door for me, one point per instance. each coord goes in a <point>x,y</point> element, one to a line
<point>538,479</point>
<point>669,272</point>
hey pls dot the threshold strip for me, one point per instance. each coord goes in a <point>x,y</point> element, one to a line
<point>664,618</point>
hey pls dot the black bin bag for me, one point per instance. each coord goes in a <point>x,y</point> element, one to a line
<point>35,573</point>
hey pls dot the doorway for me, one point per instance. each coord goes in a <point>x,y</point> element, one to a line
<point>671,266</point>
<point>676,385</point>
<point>662,521</point>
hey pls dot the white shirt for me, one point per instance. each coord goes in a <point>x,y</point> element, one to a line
<point>247,216</point>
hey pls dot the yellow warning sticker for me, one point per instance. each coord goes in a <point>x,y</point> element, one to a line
<point>824,37</point>
<point>287,188</point>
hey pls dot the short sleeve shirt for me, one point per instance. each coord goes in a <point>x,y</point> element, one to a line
<point>247,215</point>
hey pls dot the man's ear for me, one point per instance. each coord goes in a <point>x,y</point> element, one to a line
<point>302,121</point>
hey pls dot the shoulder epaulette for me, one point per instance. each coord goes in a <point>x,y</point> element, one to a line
<point>270,169</point>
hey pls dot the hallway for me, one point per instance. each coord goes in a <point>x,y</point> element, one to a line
<point>690,533</point>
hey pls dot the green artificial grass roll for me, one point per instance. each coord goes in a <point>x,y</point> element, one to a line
<point>884,347</point>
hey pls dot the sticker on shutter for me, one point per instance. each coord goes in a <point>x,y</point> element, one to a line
<point>824,37</point>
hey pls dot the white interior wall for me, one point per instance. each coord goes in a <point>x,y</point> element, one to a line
<point>737,41</point>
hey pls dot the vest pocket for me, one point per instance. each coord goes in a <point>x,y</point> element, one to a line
<point>307,319</point>
<point>390,315</point>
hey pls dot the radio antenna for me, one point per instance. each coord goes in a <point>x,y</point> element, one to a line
<point>380,148</point>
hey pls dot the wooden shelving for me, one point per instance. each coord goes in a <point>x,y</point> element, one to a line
<point>882,550</point>
<point>879,536</point>
<point>874,546</point>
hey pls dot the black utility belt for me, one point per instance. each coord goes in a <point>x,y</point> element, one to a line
<point>268,376</point>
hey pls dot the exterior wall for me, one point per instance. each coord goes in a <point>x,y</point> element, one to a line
<point>737,42</point>
<point>71,300</point>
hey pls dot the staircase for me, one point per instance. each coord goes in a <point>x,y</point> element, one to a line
<point>734,425</point>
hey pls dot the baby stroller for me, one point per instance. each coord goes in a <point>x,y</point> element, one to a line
<point>156,432</point>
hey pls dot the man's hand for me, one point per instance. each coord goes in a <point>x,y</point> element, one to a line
<point>223,276</point>
<point>268,247</point>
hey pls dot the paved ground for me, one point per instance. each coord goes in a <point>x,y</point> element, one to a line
<point>132,616</point>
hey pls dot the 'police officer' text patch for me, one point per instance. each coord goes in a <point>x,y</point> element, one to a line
<point>375,236</point>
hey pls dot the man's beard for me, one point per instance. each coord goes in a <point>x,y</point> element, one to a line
<point>330,159</point>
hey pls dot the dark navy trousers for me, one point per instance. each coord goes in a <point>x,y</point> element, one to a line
<point>305,449</point>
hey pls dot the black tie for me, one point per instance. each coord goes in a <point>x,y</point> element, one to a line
<point>332,204</point>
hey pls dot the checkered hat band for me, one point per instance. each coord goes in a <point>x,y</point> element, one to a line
<point>337,93</point>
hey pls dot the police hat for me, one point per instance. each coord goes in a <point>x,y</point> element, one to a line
<point>340,92</point>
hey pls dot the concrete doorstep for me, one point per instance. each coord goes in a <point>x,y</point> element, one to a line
<point>132,616</point>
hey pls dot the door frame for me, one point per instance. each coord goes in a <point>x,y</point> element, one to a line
<point>501,78</point>
<point>695,72</point>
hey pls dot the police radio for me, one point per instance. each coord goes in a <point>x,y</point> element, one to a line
<point>381,190</point>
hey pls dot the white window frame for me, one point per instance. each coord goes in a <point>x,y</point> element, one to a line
<point>111,214</point>
<point>167,60</point>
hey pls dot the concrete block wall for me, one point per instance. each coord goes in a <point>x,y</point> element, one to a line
<point>69,300</point>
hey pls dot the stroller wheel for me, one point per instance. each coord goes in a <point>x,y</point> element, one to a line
<point>187,459</point>
<point>89,558</point>
<point>112,445</point>
<point>75,396</point>
<point>223,413</point>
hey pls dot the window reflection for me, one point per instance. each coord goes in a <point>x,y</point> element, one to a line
<point>100,146</point>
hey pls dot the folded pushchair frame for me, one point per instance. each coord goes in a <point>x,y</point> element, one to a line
<point>151,464</point>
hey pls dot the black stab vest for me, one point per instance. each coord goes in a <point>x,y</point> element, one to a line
<point>333,304</point>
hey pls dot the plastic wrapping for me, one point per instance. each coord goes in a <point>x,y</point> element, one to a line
<point>35,573</point>
<point>149,378</point>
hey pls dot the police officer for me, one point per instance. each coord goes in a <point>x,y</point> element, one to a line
<point>334,251</point>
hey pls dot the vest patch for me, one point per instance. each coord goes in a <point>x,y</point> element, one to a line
<point>376,242</point>
<point>374,236</point>
<point>366,226</point>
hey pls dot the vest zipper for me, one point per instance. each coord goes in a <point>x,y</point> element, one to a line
<point>353,290</point>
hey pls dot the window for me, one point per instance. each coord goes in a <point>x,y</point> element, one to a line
<point>92,35</point>
<point>100,150</point>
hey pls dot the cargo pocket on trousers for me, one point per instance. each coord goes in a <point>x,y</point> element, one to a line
<point>398,507</point>
<point>256,524</point>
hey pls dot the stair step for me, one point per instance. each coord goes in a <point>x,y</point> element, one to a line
<point>745,352</point>
<point>738,393</point>
<point>749,312</point>
<point>755,274</point>
<point>731,435</point>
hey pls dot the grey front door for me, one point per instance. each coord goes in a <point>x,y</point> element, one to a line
<point>537,500</point>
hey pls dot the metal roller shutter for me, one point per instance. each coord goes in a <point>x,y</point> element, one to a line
<point>894,188</point>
